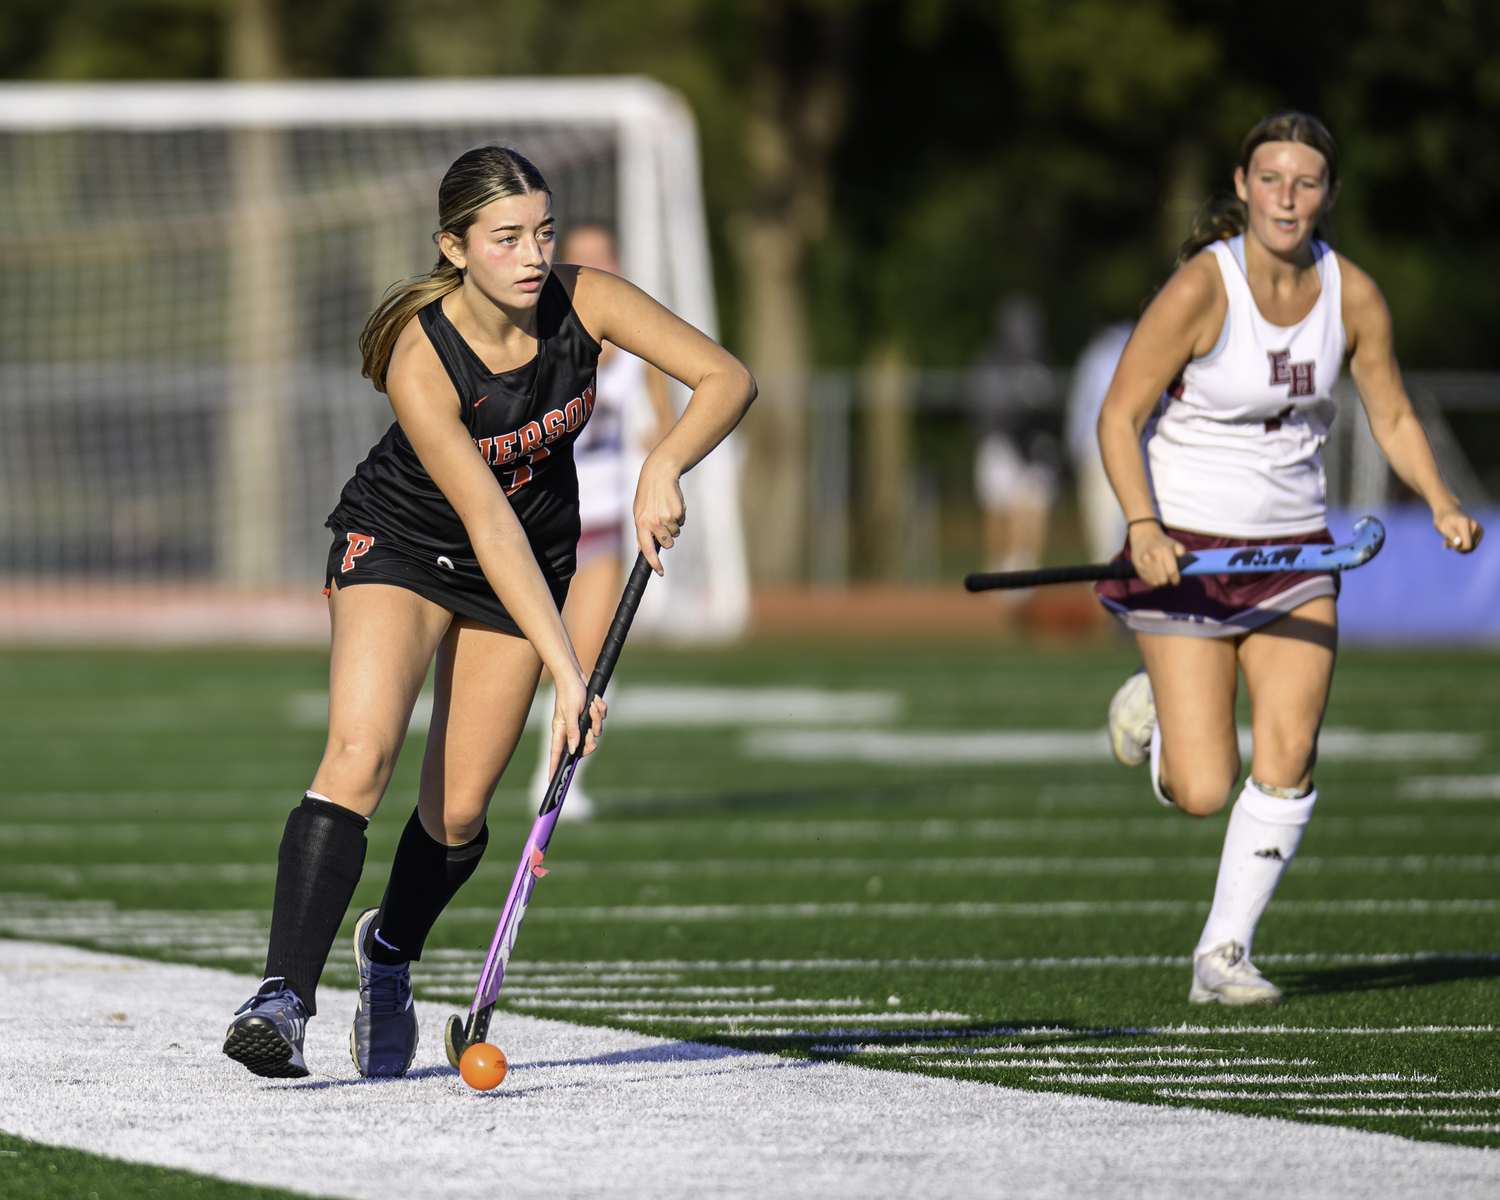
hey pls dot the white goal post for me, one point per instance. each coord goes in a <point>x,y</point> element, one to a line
<point>184,269</point>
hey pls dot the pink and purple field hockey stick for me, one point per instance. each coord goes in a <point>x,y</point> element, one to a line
<point>461,1034</point>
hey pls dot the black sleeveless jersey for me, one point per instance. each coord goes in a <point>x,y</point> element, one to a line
<point>523,423</point>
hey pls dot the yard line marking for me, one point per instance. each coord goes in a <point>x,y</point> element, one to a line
<point>894,748</point>
<point>840,964</point>
<point>965,910</point>
<point>727,1007</point>
<point>886,1048</point>
<point>855,868</point>
<point>658,706</point>
<point>1467,1128</point>
<point>1175,1061</point>
<point>1398,1112</point>
<point>842,1016</point>
<point>1212,1094</point>
<point>927,749</point>
<point>73,875</point>
<point>585,992</point>
<point>1073,829</point>
<point>1228,1031</point>
<point>1382,1077</point>
<point>65,875</point>
<point>1450,787</point>
<point>136,833</point>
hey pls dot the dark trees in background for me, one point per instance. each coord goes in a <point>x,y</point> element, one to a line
<point>892,168</point>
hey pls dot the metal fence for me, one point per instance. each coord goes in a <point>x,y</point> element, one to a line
<point>880,464</point>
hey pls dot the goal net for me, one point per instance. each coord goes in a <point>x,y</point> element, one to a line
<point>184,272</point>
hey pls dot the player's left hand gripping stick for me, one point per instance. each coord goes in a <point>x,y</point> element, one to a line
<point>461,1034</point>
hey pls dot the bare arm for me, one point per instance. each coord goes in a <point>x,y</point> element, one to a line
<point>428,409</point>
<point>723,390</point>
<point>1398,433</point>
<point>1182,322</point>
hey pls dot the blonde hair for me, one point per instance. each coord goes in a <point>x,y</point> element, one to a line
<point>477,178</point>
<point>1224,216</point>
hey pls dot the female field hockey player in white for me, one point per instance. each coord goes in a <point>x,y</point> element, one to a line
<point>456,539</point>
<point>1241,348</point>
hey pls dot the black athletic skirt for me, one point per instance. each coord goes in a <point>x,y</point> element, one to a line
<point>458,585</point>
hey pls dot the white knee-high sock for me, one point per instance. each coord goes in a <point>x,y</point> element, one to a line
<point>1262,837</point>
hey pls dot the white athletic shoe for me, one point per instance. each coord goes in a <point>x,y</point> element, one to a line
<point>1132,717</point>
<point>1224,975</point>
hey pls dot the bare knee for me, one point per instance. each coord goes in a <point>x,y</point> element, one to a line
<point>358,763</point>
<point>453,821</point>
<point>1200,795</point>
<point>1284,759</point>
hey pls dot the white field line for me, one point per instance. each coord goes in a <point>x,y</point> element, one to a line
<point>1232,1077</point>
<point>236,933</point>
<point>617,1114</point>
<point>968,910</point>
<point>1215,1094</point>
<point>1076,830</point>
<point>648,706</point>
<point>741,1019</point>
<point>1177,1062</point>
<point>1450,787</point>
<point>1399,1112</point>
<point>727,1007</point>
<point>613,834</point>
<point>586,969</point>
<point>72,875</point>
<point>1208,1053</point>
<point>893,748</point>
<point>1449,1128</point>
<point>553,993</point>
<point>1225,1031</point>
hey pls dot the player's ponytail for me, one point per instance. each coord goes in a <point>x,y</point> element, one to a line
<point>478,177</point>
<point>1224,216</point>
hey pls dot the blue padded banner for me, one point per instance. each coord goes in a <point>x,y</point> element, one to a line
<point>1415,590</point>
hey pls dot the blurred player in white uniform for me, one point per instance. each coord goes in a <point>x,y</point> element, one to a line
<point>1229,376</point>
<point>632,409</point>
<point>1103,522</point>
<point>1016,467</point>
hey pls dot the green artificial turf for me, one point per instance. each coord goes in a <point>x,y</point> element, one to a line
<point>32,1172</point>
<point>1026,924</point>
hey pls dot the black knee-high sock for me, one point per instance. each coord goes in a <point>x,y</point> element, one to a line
<point>425,875</point>
<point>321,857</point>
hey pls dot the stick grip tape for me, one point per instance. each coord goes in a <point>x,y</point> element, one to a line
<point>986,582</point>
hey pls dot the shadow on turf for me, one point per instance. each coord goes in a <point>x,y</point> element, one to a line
<point>1408,973</point>
<point>670,1052</point>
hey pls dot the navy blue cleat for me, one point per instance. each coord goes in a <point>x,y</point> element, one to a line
<point>266,1034</point>
<point>384,1038</point>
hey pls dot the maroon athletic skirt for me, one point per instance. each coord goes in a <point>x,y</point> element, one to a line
<point>1217,605</point>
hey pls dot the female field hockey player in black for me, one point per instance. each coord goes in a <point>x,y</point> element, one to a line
<point>456,538</point>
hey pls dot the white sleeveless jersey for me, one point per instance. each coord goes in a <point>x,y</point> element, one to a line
<point>599,452</point>
<point>1235,451</point>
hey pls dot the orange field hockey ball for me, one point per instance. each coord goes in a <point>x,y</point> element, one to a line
<point>483,1066</point>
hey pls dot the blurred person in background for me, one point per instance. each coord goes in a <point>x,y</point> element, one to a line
<point>1019,458</point>
<point>1098,509</point>
<point>632,412</point>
